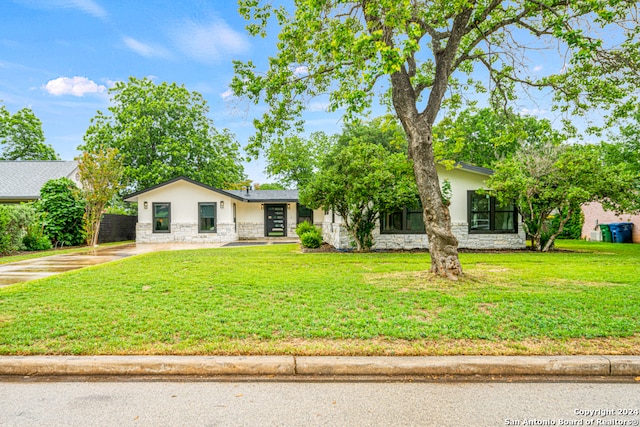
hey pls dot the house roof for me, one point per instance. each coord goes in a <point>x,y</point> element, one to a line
<point>22,180</point>
<point>471,168</point>
<point>252,196</point>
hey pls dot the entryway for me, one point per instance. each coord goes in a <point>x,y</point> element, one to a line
<point>275,220</point>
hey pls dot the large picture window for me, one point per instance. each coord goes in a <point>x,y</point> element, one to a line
<point>408,220</point>
<point>207,217</point>
<point>161,217</point>
<point>487,215</point>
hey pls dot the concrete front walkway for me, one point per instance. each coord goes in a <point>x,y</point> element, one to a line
<point>23,271</point>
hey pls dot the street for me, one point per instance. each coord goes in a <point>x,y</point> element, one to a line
<point>208,403</point>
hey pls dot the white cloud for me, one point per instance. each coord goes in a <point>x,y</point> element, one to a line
<point>76,86</point>
<point>318,106</point>
<point>532,112</point>
<point>302,70</point>
<point>145,49</point>
<point>227,95</point>
<point>89,7</point>
<point>209,43</point>
<point>537,68</point>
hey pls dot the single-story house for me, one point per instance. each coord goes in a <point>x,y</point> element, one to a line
<point>183,210</point>
<point>21,181</point>
<point>594,214</point>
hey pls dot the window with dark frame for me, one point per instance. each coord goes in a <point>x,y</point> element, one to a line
<point>161,217</point>
<point>304,214</point>
<point>487,215</point>
<point>408,220</point>
<point>206,217</point>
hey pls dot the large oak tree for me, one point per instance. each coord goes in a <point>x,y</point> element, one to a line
<point>427,53</point>
<point>163,131</point>
<point>22,138</point>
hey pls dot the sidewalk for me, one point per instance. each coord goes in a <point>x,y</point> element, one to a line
<point>329,366</point>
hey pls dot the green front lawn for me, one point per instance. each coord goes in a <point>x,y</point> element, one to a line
<point>275,300</point>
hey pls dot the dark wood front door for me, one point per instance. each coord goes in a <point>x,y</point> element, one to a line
<point>275,220</point>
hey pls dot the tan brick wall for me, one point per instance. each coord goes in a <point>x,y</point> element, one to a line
<point>594,211</point>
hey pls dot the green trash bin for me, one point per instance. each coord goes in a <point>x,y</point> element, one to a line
<point>606,233</point>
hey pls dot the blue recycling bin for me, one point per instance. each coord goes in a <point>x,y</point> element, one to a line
<point>621,232</point>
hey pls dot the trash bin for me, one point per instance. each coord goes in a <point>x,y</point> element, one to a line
<point>621,232</point>
<point>606,233</point>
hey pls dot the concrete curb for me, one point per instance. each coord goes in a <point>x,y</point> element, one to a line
<point>290,366</point>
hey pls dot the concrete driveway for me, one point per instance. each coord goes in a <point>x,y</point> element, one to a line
<point>37,268</point>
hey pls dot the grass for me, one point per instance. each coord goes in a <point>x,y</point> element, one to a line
<point>7,259</point>
<point>273,299</point>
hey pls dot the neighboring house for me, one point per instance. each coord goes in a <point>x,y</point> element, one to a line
<point>21,181</point>
<point>594,214</point>
<point>183,210</point>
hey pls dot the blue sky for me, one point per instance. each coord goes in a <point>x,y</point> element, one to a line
<point>59,57</point>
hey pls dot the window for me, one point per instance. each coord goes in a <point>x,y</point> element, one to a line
<point>161,217</point>
<point>487,215</point>
<point>206,217</point>
<point>304,214</point>
<point>408,220</point>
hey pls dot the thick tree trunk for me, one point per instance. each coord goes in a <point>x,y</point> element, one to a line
<point>443,245</point>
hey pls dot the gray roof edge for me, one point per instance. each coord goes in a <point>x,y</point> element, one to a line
<point>472,168</point>
<point>234,194</point>
<point>128,197</point>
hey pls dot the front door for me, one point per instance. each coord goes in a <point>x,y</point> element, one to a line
<point>275,220</point>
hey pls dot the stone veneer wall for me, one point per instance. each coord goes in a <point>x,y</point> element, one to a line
<point>250,230</point>
<point>255,230</point>
<point>185,233</point>
<point>337,236</point>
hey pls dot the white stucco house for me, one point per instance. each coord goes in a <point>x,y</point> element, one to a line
<point>183,210</point>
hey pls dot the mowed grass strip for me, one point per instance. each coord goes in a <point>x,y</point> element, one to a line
<point>274,299</point>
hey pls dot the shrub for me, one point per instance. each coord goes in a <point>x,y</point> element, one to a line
<point>63,210</point>
<point>573,228</point>
<point>14,221</point>
<point>35,240</point>
<point>311,239</point>
<point>310,235</point>
<point>304,227</point>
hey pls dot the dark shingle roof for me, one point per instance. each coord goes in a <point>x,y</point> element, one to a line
<point>22,180</point>
<point>265,195</point>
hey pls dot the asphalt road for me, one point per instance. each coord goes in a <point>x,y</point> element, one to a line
<point>134,403</point>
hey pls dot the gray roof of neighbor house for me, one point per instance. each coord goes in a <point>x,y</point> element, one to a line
<point>255,196</point>
<point>22,180</point>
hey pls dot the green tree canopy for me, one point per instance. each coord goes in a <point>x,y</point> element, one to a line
<point>360,180</point>
<point>424,55</point>
<point>294,160</point>
<point>558,180</point>
<point>485,136</point>
<point>22,138</point>
<point>162,131</point>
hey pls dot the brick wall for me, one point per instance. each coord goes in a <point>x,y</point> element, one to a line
<point>594,212</point>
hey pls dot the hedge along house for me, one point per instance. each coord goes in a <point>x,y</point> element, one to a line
<point>478,220</point>
<point>183,210</point>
